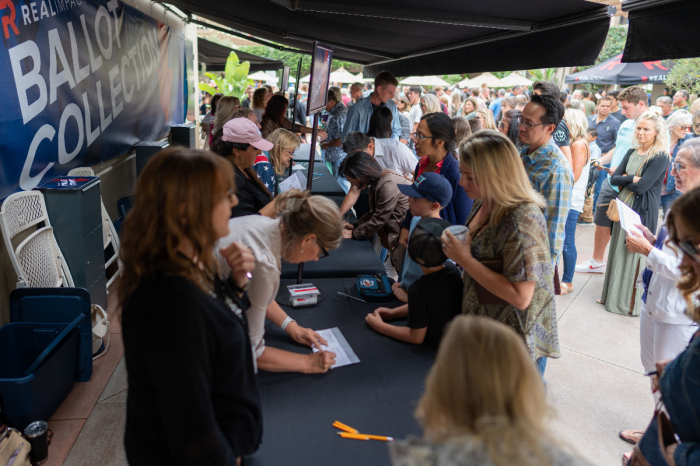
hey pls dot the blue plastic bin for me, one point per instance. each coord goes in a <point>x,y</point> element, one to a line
<point>58,305</point>
<point>37,369</point>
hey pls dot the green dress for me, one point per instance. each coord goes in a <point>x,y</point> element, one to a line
<point>620,294</point>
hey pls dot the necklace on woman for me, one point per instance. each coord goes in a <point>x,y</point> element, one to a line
<point>224,297</point>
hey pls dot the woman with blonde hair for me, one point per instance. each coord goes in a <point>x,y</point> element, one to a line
<point>271,168</point>
<point>455,103</point>
<point>581,164</point>
<point>484,404</point>
<point>506,259</point>
<point>486,118</point>
<point>260,98</point>
<point>305,228</point>
<point>184,327</point>
<point>677,381</point>
<point>639,177</point>
<point>429,104</point>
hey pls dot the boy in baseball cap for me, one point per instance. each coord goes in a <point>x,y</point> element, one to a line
<point>427,196</point>
<point>434,299</point>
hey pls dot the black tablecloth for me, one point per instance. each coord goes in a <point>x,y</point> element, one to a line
<point>324,183</point>
<point>352,258</point>
<point>377,396</point>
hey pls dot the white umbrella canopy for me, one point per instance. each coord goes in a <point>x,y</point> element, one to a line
<point>516,79</point>
<point>305,79</point>
<point>342,76</point>
<point>262,76</point>
<point>431,81</point>
<point>464,83</point>
<point>488,78</point>
<point>361,79</point>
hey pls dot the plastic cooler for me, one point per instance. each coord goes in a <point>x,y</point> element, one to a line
<point>37,369</point>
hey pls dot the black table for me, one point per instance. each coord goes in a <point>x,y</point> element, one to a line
<point>351,259</point>
<point>377,396</point>
<point>302,154</point>
<point>324,183</point>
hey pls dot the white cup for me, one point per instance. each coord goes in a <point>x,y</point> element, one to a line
<point>458,231</point>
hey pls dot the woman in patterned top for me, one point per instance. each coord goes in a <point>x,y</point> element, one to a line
<point>271,168</point>
<point>484,404</point>
<point>333,145</point>
<point>508,268</point>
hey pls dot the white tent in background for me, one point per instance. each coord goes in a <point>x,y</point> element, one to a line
<point>262,76</point>
<point>516,79</point>
<point>488,78</point>
<point>305,79</point>
<point>431,81</point>
<point>342,76</point>
<point>361,79</point>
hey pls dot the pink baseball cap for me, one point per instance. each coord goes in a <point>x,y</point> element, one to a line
<point>243,130</point>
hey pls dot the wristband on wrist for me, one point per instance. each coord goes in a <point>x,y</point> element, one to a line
<point>286,322</point>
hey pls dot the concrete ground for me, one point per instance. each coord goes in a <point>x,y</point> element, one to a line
<point>596,389</point>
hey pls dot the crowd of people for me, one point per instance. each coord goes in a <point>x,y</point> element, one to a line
<point>471,198</point>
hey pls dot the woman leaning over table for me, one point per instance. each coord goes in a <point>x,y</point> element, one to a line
<point>305,229</point>
<point>677,380</point>
<point>275,117</point>
<point>435,144</point>
<point>193,396</point>
<point>508,270</point>
<point>639,176</point>
<point>484,404</point>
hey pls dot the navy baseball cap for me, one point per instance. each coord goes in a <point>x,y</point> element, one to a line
<point>430,186</point>
<point>425,245</point>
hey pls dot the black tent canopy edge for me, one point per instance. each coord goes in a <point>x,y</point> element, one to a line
<point>661,29</point>
<point>466,55</point>
<point>215,55</point>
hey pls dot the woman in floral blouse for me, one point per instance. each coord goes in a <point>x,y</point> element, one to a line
<point>508,271</point>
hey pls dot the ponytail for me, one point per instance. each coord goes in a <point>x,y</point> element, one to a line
<point>302,214</point>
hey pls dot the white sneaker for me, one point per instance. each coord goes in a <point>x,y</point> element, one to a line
<point>591,266</point>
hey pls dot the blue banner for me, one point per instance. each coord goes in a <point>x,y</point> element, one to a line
<point>82,80</point>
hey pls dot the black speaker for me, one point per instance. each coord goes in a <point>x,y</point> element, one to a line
<point>145,151</point>
<point>183,135</point>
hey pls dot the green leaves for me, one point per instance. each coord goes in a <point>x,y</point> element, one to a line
<point>685,74</point>
<point>235,80</point>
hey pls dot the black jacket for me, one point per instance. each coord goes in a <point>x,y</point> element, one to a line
<point>647,190</point>
<point>251,196</point>
<point>193,395</point>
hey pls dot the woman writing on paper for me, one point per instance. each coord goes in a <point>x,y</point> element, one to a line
<point>639,176</point>
<point>304,229</point>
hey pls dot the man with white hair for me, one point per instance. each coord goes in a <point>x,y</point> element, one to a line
<point>666,106</point>
<point>355,94</point>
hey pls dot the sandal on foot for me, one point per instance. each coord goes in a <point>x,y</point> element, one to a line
<point>599,301</point>
<point>566,288</point>
<point>629,435</point>
<point>626,457</point>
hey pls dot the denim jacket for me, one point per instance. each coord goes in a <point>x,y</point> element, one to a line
<point>680,391</point>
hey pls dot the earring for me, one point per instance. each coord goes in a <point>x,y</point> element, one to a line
<point>302,250</point>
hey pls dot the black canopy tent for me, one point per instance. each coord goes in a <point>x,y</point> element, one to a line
<point>215,55</point>
<point>661,29</point>
<point>409,37</point>
<point>614,71</point>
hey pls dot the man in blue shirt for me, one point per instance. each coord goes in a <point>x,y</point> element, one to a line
<point>359,114</point>
<point>495,106</point>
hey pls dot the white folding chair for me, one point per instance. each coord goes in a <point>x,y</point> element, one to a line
<point>37,260</point>
<point>109,234</point>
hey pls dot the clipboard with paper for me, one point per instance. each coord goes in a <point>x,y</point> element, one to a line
<point>628,218</point>
<point>297,180</point>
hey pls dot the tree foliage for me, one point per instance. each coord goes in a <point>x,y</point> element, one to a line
<point>685,74</point>
<point>235,80</point>
<point>291,59</point>
<point>614,43</point>
<point>543,74</point>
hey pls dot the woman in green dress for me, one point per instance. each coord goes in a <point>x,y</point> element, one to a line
<point>506,259</point>
<point>639,176</point>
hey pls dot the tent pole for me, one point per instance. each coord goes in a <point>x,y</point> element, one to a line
<point>310,175</point>
<point>294,109</point>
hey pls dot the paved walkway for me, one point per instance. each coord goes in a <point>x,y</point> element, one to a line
<point>596,389</point>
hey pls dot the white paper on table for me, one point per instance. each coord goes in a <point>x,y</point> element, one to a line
<point>344,355</point>
<point>297,180</point>
<point>628,218</point>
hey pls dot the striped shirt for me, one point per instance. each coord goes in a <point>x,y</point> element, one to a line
<point>552,176</point>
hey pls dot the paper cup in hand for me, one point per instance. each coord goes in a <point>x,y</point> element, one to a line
<point>458,231</point>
